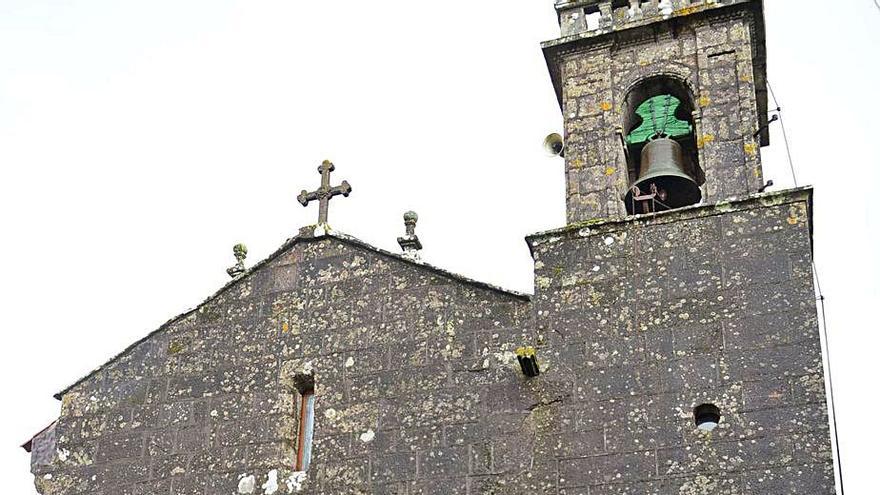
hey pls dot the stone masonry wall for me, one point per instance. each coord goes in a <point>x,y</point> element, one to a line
<point>418,391</point>
<point>712,54</point>
<point>408,365</point>
<point>650,317</point>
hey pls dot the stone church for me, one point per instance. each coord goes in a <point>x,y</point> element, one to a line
<point>671,345</point>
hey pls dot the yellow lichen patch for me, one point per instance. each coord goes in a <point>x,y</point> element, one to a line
<point>701,485</point>
<point>687,10</point>
<point>71,405</point>
<point>577,164</point>
<point>55,484</point>
<point>606,106</point>
<point>542,282</point>
<point>80,459</point>
<point>796,214</point>
<point>285,327</point>
<point>591,200</point>
<point>526,351</point>
<point>594,296</point>
<point>813,384</point>
<point>737,32</point>
<point>704,101</point>
<point>746,78</point>
<point>175,347</point>
<point>609,171</point>
<point>751,149</point>
<point>704,140</point>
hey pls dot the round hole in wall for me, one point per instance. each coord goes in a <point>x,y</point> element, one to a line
<point>707,417</point>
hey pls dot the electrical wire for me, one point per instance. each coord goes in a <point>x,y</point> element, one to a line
<point>830,374</point>
<point>821,298</point>
<point>784,134</point>
<point>877,4</point>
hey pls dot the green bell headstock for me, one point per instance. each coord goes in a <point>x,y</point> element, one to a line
<point>658,119</point>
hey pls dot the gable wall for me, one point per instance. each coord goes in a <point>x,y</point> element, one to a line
<point>208,402</point>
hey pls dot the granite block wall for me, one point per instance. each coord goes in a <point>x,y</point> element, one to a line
<point>408,364</point>
<point>650,317</point>
<point>716,55</point>
<point>418,389</point>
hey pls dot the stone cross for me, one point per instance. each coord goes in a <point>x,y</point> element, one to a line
<point>325,192</point>
<point>410,241</point>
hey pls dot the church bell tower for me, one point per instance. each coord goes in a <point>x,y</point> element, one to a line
<point>664,103</point>
<point>676,308</point>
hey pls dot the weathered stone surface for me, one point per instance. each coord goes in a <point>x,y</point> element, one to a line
<point>382,360</point>
<point>635,322</point>
<point>419,391</point>
<point>711,48</point>
<point>702,307</point>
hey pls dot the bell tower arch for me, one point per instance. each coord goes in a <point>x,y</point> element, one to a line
<point>659,137</point>
<point>669,90</point>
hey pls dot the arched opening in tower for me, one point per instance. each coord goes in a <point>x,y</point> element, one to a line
<point>660,138</point>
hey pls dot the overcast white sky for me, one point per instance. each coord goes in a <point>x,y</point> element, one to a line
<point>140,140</point>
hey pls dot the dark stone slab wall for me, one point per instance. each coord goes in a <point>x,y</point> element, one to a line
<point>418,390</point>
<point>649,317</point>
<point>411,371</point>
<point>714,50</point>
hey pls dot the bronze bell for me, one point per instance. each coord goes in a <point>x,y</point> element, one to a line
<point>663,183</point>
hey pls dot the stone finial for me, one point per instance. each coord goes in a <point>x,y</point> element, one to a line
<point>240,252</point>
<point>409,220</point>
<point>409,242</point>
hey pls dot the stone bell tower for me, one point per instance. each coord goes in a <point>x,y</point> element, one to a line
<point>628,72</point>
<point>685,343</point>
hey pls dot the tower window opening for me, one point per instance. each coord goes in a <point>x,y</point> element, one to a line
<point>305,431</point>
<point>592,17</point>
<point>593,20</point>
<point>707,417</point>
<point>661,147</point>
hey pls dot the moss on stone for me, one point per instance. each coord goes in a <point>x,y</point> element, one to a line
<point>175,347</point>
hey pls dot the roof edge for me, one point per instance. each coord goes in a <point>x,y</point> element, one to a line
<point>680,13</point>
<point>307,234</point>
<point>785,196</point>
<point>28,446</point>
<point>285,246</point>
<point>554,48</point>
<point>440,271</point>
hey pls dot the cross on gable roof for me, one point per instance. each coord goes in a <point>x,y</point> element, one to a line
<point>325,193</point>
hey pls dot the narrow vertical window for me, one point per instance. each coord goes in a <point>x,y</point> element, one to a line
<point>306,426</point>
